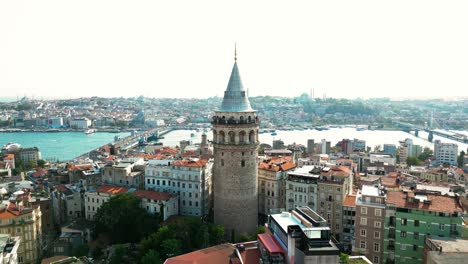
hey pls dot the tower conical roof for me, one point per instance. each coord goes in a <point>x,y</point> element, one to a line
<point>235,98</point>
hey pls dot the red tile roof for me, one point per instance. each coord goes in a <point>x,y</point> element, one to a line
<point>277,164</point>
<point>9,157</point>
<point>213,255</point>
<point>439,203</point>
<point>158,196</point>
<point>388,181</point>
<point>350,201</point>
<point>80,167</point>
<point>190,163</point>
<point>270,243</point>
<point>111,189</point>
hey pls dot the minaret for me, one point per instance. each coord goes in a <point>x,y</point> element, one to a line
<point>235,144</point>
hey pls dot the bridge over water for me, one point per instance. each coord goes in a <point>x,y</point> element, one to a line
<point>442,133</point>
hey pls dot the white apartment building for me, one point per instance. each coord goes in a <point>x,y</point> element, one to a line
<point>128,172</point>
<point>301,187</point>
<point>159,202</point>
<point>80,123</point>
<point>151,201</point>
<point>189,179</point>
<point>445,153</point>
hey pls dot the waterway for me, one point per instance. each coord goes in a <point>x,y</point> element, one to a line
<point>68,145</point>
<point>372,137</point>
<point>60,145</point>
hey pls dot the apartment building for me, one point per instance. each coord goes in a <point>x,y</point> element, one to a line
<point>370,218</point>
<point>189,179</point>
<point>272,175</point>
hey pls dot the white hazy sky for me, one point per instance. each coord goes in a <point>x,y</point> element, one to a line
<point>185,48</point>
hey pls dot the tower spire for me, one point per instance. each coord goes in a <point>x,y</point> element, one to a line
<point>235,52</point>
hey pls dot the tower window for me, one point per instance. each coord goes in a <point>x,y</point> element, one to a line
<point>243,163</point>
<point>222,162</point>
<point>243,153</point>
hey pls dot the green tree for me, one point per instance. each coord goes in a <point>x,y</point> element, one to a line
<point>120,252</point>
<point>412,161</point>
<point>461,158</point>
<point>41,163</point>
<point>171,247</point>
<point>124,220</point>
<point>152,257</point>
<point>427,152</point>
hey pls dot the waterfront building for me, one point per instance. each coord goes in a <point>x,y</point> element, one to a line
<point>310,146</point>
<point>349,219</point>
<point>301,187</point>
<point>390,149</point>
<point>303,235</point>
<point>191,180</point>
<point>324,146</point>
<point>445,153</point>
<point>333,185</point>
<point>359,145</point>
<point>55,122</point>
<point>128,172</point>
<point>9,246</point>
<point>29,155</point>
<point>80,123</point>
<point>416,150</point>
<point>272,175</point>
<point>23,222</point>
<point>235,143</point>
<point>278,144</point>
<point>413,216</point>
<point>370,218</point>
<point>405,150</point>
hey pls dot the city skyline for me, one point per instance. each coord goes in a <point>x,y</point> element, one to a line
<point>56,49</point>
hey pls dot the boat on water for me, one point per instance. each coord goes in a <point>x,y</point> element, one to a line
<point>89,131</point>
<point>361,128</point>
<point>274,133</point>
<point>192,134</point>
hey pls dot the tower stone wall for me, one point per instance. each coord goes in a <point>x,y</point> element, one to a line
<point>235,184</point>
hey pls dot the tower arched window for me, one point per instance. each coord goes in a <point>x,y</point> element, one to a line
<point>232,137</point>
<point>252,136</point>
<point>221,137</point>
<point>242,135</point>
<point>215,136</point>
<point>241,119</point>
<point>249,119</point>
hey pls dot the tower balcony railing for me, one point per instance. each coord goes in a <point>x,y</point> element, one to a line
<point>222,121</point>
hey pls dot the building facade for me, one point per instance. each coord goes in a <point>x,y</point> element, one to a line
<point>235,144</point>
<point>411,217</point>
<point>370,218</point>
<point>445,153</point>
<point>272,175</point>
<point>190,180</point>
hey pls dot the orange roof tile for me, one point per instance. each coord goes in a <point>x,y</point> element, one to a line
<point>439,203</point>
<point>212,255</point>
<point>9,157</point>
<point>388,181</point>
<point>148,194</point>
<point>350,201</point>
<point>111,189</point>
<point>190,163</point>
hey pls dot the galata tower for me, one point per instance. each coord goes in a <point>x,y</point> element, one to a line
<point>235,144</point>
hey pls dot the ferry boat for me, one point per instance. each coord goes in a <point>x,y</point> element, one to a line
<point>89,131</point>
<point>274,133</point>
